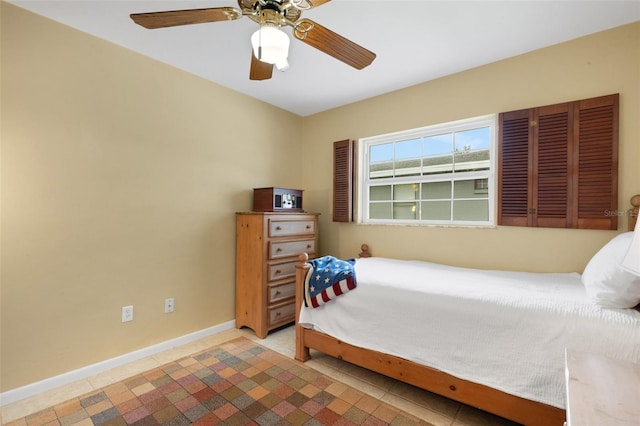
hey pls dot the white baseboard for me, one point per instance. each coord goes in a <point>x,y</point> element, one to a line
<point>32,389</point>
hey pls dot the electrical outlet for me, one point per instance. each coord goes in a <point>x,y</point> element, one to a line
<point>168,305</point>
<point>127,313</point>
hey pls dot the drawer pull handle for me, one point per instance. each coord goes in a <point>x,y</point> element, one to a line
<point>278,250</point>
<point>278,228</point>
<point>277,293</point>
<point>308,226</point>
<point>278,271</point>
<point>308,245</point>
<point>278,314</point>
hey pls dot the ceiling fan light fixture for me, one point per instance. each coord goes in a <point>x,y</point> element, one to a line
<point>282,65</point>
<point>271,45</point>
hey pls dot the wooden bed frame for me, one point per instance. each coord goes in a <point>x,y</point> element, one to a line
<point>488,399</point>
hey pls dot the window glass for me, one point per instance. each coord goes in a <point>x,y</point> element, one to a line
<point>380,193</point>
<point>381,164</point>
<point>436,210</point>
<point>408,149</point>
<point>438,156</point>
<point>436,190</point>
<point>408,191</point>
<point>405,211</point>
<point>381,211</point>
<point>471,210</point>
<point>467,189</point>
<point>472,149</point>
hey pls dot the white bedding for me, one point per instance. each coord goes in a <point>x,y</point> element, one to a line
<point>507,330</point>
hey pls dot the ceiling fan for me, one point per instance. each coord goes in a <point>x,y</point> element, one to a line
<point>270,44</point>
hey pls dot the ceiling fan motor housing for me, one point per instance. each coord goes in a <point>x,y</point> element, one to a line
<point>273,11</point>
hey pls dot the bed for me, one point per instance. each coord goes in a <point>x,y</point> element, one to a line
<point>448,313</point>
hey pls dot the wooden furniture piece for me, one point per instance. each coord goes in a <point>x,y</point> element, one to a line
<point>267,249</point>
<point>558,165</point>
<point>512,407</point>
<point>633,211</point>
<point>601,390</point>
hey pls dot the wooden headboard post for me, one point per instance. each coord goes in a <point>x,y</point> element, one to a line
<point>302,268</point>
<point>365,251</point>
<point>302,352</point>
<point>633,211</point>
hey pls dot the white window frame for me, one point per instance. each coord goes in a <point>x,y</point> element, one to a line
<point>489,121</point>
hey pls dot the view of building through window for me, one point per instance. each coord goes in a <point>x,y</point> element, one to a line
<point>435,175</point>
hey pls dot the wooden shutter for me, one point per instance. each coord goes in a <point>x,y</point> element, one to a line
<point>597,158</point>
<point>558,165</point>
<point>551,202</point>
<point>343,175</point>
<point>514,158</point>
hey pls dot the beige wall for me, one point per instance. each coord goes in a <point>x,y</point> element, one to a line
<point>601,64</point>
<point>120,179</point>
<point>121,176</point>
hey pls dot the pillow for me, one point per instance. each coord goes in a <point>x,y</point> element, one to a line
<point>607,284</point>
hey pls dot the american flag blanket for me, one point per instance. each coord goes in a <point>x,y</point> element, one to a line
<point>328,278</point>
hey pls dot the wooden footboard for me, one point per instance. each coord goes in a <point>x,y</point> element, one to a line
<point>480,396</point>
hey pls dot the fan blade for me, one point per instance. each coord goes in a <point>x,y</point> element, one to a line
<point>316,3</point>
<point>173,18</point>
<point>259,70</point>
<point>332,44</point>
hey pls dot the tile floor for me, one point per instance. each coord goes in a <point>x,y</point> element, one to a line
<point>237,383</point>
<point>424,405</point>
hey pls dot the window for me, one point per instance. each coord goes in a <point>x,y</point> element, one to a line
<point>436,175</point>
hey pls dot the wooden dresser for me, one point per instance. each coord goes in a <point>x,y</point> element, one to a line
<point>267,249</point>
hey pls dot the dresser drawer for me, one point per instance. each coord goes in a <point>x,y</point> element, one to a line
<point>279,292</point>
<point>279,271</point>
<point>282,314</point>
<point>284,228</point>
<point>280,249</point>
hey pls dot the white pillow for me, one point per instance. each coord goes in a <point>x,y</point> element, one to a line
<point>607,284</point>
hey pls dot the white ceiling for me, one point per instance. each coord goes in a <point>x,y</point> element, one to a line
<point>415,41</point>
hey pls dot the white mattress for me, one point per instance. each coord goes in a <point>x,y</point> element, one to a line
<point>507,330</point>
